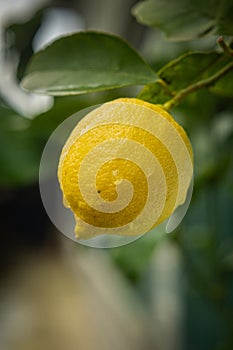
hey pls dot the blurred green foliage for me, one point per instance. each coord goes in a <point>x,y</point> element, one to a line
<point>205,237</point>
<point>188,69</point>
<point>186,19</point>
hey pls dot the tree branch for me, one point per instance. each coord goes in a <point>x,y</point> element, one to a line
<point>221,42</point>
<point>197,86</point>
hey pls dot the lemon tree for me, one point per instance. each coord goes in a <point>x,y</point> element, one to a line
<point>184,69</point>
<point>126,142</point>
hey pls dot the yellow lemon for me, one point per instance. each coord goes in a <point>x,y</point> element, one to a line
<point>125,168</point>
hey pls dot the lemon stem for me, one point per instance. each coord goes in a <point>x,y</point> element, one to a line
<point>205,83</point>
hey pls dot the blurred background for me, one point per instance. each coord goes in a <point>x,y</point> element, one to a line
<point>164,291</point>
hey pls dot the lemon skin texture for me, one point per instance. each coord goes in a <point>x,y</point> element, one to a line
<point>125,168</point>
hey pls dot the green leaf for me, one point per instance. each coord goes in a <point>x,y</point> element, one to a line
<point>22,140</point>
<point>224,86</point>
<point>134,258</point>
<point>86,62</point>
<point>183,20</point>
<point>157,93</point>
<point>17,149</point>
<point>186,70</point>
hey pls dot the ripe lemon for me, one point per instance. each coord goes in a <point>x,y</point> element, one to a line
<point>125,168</point>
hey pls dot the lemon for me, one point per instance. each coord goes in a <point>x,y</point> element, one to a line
<point>125,168</point>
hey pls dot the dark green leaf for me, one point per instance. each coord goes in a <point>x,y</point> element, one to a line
<point>186,19</point>
<point>224,86</point>
<point>22,141</point>
<point>186,70</point>
<point>86,62</point>
<point>157,93</point>
<point>17,149</point>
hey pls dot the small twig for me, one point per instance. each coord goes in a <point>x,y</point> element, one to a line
<point>197,86</point>
<point>165,87</point>
<point>224,46</point>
